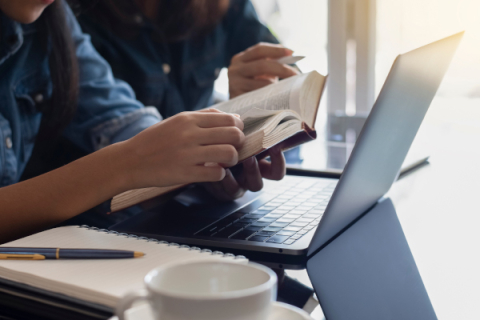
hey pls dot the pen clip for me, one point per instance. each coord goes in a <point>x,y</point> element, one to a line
<point>10,256</point>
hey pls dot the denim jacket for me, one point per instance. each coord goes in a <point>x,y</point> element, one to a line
<point>107,111</point>
<point>177,76</point>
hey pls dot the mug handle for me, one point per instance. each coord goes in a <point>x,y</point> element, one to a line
<point>128,300</point>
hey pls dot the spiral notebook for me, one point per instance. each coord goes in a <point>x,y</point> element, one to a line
<point>101,282</point>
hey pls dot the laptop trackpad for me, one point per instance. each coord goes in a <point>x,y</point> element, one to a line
<point>190,211</point>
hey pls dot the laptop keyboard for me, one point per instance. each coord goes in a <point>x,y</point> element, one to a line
<point>296,209</point>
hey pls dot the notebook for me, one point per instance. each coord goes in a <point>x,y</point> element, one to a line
<point>99,281</point>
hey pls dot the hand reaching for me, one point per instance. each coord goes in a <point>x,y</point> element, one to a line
<point>256,68</point>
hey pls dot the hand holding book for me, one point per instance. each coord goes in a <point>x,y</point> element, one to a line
<point>190,140</point>
<point>281,114</point>
<point>249,176</point>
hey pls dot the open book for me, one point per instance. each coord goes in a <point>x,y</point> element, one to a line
<point>283,113</point>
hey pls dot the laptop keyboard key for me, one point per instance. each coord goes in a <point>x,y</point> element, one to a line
<point>280,211</point>
<point>289,241</point>
<point>299,224</point>
<point>272,229</point>
<point>309,204</point>
<point>253,228</point>
<point>295,203</point>
<point>292,228</point>
<point>260,224</point>
<point>253,216</point>
<point>273,216</point>
<point>266,233</point>
<point>290,216</point>
<point>305,206</point>
<point>285,233</point>
<point>258,238</point>
<point>267,208</point>
<point>279,224</point>
<point>297,211</point>
<point>277,239</point>
<point>270,220</point>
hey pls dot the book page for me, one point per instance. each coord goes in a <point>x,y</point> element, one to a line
<point>310,94</point>
<point>254,113</point>
<point>275,97</point>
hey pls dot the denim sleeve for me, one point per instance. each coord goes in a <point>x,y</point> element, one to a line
<point>107,110</point>
<point>8,159</point>
<point>244,28</point>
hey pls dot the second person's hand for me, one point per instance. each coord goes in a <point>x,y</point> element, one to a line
<point>250,177</point>
<point>256,68</point>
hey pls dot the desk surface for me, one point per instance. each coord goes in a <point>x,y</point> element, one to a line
<point>439,208</point>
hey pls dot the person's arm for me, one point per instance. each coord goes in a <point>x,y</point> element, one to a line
<point>107,110</point>
<point>169,153</point>
<point>46,200</point>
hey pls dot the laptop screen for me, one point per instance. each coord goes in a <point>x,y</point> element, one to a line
<point>386,136</point>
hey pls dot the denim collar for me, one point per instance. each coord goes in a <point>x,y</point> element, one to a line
<point>12,33</point>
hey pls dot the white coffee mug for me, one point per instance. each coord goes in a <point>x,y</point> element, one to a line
<point>201,290</point>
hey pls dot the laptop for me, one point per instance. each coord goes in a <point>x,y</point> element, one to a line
<point>298,216</point>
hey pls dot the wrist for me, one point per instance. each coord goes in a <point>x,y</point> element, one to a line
<point>122,164</point>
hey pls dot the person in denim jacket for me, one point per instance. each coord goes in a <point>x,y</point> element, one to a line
<point>171,51</point>
<point>54,83</point>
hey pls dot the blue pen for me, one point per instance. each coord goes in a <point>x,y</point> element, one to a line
<point>15,253</point>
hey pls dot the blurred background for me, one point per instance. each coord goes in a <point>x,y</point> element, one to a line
<point>356,42</point>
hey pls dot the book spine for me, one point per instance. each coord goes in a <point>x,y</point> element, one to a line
<point>171,244</point>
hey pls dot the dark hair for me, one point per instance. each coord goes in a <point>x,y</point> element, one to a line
<point>176,19</point>
<point>181,19</point>
<point>60,109</point>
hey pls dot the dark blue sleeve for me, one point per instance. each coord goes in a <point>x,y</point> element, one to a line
<point>244,29</point>
<point>107,109</point>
